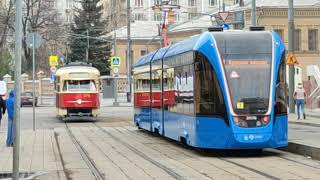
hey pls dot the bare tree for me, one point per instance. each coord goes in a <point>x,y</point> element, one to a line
<point>41,17</point>
<point>38,16</point>
<point>5,19</point>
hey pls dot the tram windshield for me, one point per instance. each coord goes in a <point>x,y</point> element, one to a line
<point>79,85</point>
<point>247,61</point>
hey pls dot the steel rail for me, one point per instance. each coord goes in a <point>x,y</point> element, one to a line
<point>168,170</point>
<point>95,171</point>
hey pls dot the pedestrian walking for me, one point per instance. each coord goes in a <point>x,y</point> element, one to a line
<point>2,107</point>
<point>300,96</point>
<point>10,110</point>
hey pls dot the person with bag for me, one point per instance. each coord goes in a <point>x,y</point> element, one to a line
<point>300,96</point>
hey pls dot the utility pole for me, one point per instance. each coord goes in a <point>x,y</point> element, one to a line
<point>115,90</point>
<point>253,14</point>
<point>223,6</point>
<point>33,80</point>
<point>291,50</point>
<point>88,46</point>
<point>129,58</point>
<point>17,88</point>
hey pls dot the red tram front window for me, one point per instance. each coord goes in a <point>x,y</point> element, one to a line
<point>79,85</point>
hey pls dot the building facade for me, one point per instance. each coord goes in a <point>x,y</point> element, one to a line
<point>306,33</point>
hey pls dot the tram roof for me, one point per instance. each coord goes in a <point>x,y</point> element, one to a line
<point>189,45</point>
<point>178,48</point>
<point>69,69</point>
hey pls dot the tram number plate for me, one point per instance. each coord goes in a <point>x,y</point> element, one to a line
<point>251,118</point>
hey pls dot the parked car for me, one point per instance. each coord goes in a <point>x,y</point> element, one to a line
<point>27,99</point>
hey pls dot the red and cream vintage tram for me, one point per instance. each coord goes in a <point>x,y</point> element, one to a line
<point>77,92</point>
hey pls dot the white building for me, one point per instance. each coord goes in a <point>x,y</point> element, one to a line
<point>144,10</point>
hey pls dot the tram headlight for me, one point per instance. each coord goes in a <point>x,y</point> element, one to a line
<point>239,121</point>
<point>236,120</point>
<point>265,119</point>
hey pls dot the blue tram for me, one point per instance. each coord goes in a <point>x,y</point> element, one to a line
<point>220,90</point>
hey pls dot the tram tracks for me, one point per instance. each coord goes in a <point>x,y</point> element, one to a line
<point>126,135</point>
<point>271,155</point>
<point>168,170</point>
<point>90,163</point>
<point>192,155</point>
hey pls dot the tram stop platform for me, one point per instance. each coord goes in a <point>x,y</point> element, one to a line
<point>39,155</point>
<point>304,134</point>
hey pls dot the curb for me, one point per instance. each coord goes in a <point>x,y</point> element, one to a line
<point>305,150</point>
<point>313,115</point>
<point>305,123</point>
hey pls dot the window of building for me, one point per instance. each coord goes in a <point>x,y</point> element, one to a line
<point>192,15</point>
<point>212,2</point>
<point>279,32</point>
<point>208,95</point>
<point>157,17</point>
<point>297,39</point>
<point>177,17</point>
<point>138,3</point>
<point>313,39</point>
<point>139,17</point>
<point>143,52</point>
<point>192,3</point>
<point>157,2</point>
<point>175,2</point>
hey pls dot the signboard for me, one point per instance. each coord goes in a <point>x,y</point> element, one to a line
<point>53,61</point>
<point>115,70</point>
<point>53,69</point>
<point>3,88</point>
<point>115,61</point>
<point>234,75</point>
<point>52,77</point>
<point>37,40</point>
<point>291,59</point>
<point>223,16</point>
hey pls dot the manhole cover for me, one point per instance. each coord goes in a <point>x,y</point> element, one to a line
<point>22,175</point>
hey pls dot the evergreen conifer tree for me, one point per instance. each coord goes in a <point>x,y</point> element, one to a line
<point>88,21</point>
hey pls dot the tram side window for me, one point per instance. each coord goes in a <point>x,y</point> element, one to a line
<point>281,90</point>
<point>142,90</point>
<point>156,89</point>
<point>208,96</point>
<point>183,90</point>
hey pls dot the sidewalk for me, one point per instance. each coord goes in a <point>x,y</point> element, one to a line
<point>39,155</point>
<point>304,135</point>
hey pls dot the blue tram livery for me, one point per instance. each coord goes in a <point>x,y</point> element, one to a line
<point>219,90</point>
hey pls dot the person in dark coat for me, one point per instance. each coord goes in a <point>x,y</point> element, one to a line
<point>10,110</point>
<point>2,107</point>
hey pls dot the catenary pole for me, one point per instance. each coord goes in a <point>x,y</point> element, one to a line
<point>33,83</point>
<point>291,50</point>
<point>115,90</point>
<point>88,46</point>
<point>129,55</point>
<point>17,88</point>
<point>253,14</point>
